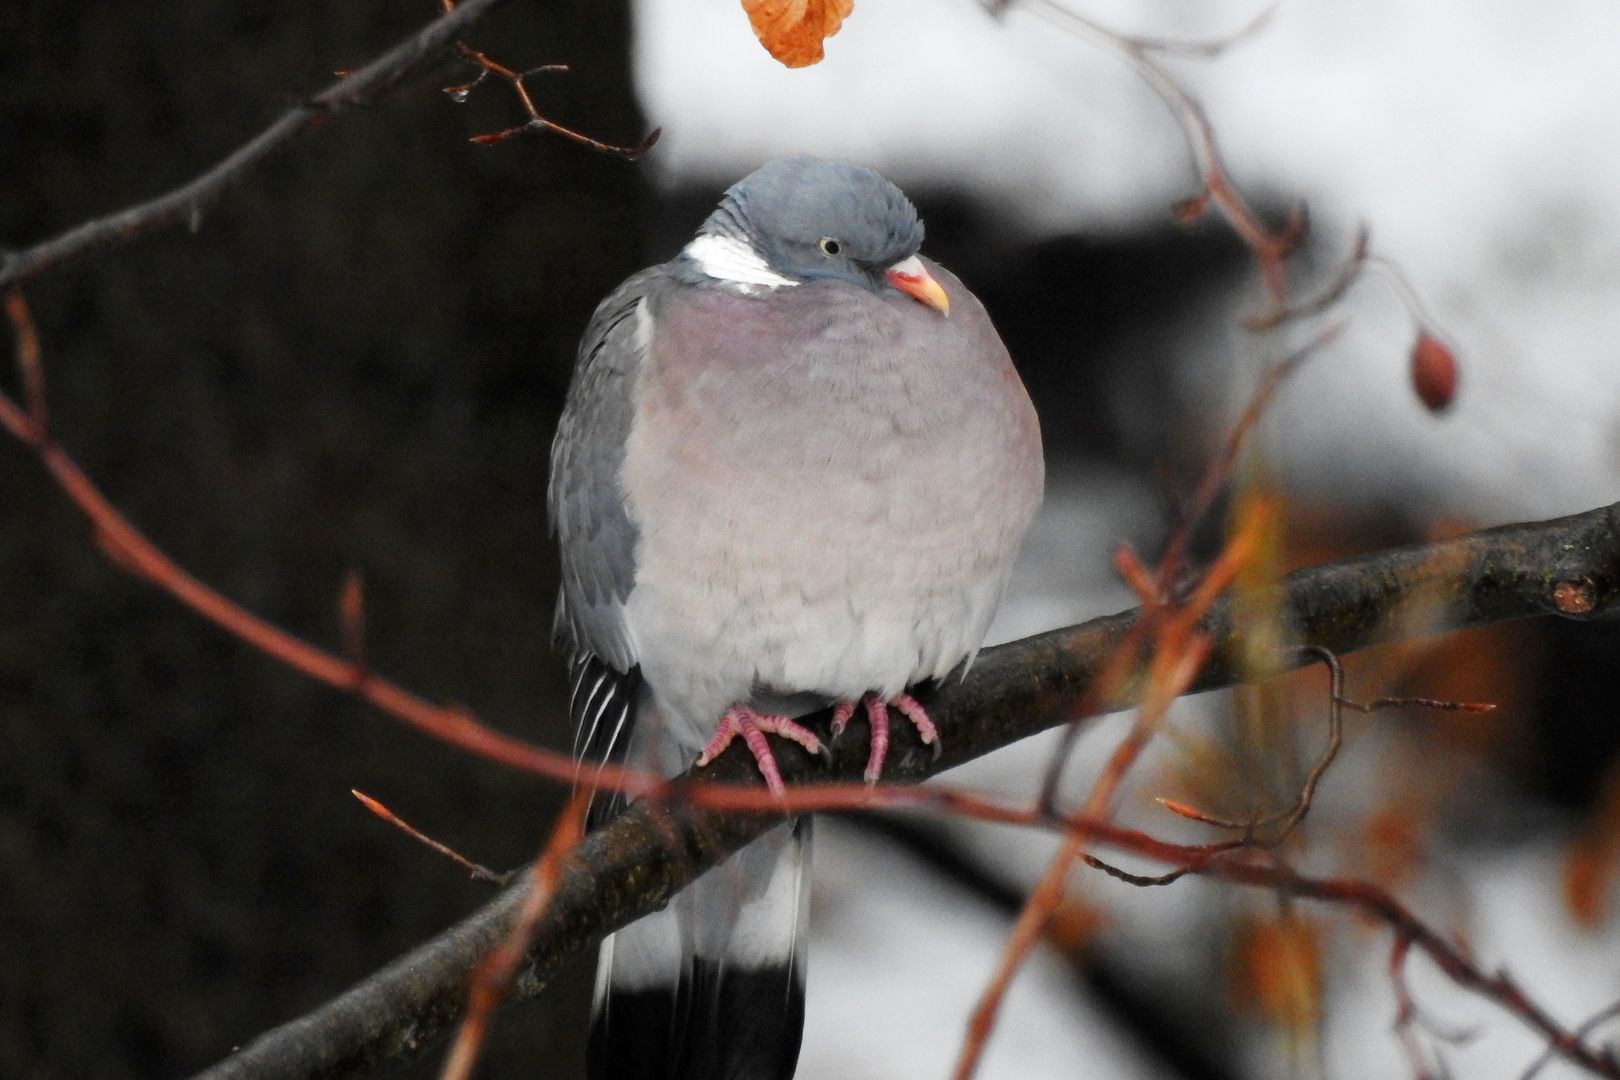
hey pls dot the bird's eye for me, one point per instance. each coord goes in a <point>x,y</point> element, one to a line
<point>829,246</point>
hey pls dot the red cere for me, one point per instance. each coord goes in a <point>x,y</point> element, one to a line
<point>1434,372</point>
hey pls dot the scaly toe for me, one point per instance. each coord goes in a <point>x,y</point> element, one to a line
<point>877,716</point>
<point>913,710</point>
<point>842,712</point>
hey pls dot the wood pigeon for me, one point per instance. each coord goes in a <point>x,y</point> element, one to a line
<point>793,470</point>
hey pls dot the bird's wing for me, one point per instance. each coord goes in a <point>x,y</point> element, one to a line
<point>594,530</point>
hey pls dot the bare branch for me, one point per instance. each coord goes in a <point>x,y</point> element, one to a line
<point>185,204</point>
<point>1270,248</point>
<point>536,124</point>
<point>637,863</point>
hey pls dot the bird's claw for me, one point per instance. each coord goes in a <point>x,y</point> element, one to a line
<point>877,715</point>
<point>752,726</point>
<point>840,719</point>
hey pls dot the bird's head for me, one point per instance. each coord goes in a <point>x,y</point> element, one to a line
<point>801,218</point>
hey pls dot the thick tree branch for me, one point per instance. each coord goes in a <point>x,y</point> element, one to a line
<point>1567,566</point>
<point>186,202</point>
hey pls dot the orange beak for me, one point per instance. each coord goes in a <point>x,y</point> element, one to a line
<point>912,278</point>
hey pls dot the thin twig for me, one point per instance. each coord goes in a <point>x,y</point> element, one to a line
<point>1026,933</point>
<point>1405,1010</point>
<point>536,124</point>
<point>1287,821</point>
<point>1151,589</point>
<point>1210,48</point>
<point>185,204</point>
<point>492,980</point>
<point>1270,248</point>
<point>28,365</point>
<point>1350,271</point>
<point>1597,1020</point>
<point>1406,293</point>
<point>1220,469</point>
<point>477,871</point>
<point>1180,651</point>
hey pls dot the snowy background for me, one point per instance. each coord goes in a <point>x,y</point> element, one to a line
<point>1476,141</point>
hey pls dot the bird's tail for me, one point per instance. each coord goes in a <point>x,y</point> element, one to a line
<point>712,987</point>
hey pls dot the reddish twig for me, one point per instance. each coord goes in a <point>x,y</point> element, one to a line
<point>1180,651</point>
<point>1350,272</point>
<point>478,872</point>
<point>1269,248</point>
<point>1026,932</point>
<point>492,979</point>
<point>1220,469</point>
<point>1597,1020</point>
<point>1153,589</point>
<point>1222,863</point>
<point>1405,1010</point>
<point>1499,987</point>
<point>1285,821</point>
<point>1461,969</point>
<point>131,550</point>
<point>28,365</point>
<point>536,124</point>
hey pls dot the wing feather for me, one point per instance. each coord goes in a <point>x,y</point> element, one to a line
<point>595,531</point>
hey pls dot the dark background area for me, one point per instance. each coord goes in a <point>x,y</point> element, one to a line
<point>355,362</point>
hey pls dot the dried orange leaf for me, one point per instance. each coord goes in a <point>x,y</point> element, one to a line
<point>793,30</point>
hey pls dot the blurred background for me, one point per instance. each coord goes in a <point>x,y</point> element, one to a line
<point>357,359</point>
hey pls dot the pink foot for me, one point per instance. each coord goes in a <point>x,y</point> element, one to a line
<point>877,717</point>
<point>753,727</point>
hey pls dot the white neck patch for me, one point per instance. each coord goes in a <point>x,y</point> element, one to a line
<point>731,259</point>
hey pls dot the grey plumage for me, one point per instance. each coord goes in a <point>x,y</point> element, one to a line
<point>778,475</point>
<point>588,514</point>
